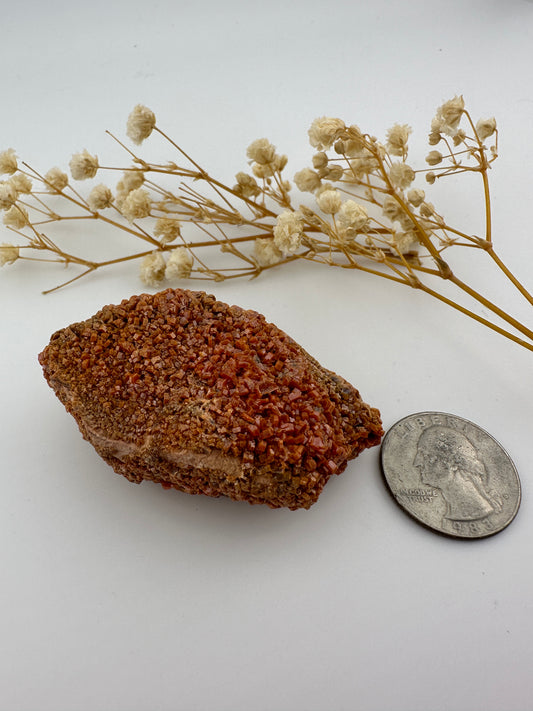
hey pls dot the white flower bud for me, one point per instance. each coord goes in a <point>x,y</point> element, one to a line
<point>307,180</point>
<point>179,265</point>
<point>391,209</point>
<point>397,138</point>
<point>320,160</point>
<point>450,113</point>
<point>100,197</point>
<point>434,158</point>
<point>261,151</point>
<point>137,204</point>
<point>21,183</point>
<point>56,180</point>
<point>83,165</point>
<point>401,175</point>
<point>152,269</point>
<point>426,209</point>
<point>288,232</point>
<point>9,253</point>
<point>141,123</point>
<point>167,229</point>
<point>329,201</point>
<point>416,196</point>
<point>8,162</point>
<point>324,131</point>
<point>8,195</point>
<point>16,217</point>
<point>352,215</point>
<point>485,128</point>
<point>266,252</point>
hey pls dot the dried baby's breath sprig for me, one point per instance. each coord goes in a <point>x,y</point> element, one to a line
<point>359,205</point>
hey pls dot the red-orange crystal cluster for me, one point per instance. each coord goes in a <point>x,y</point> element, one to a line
<point>186,391</point>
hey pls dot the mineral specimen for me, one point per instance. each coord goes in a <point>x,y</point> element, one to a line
<point>183,390</point>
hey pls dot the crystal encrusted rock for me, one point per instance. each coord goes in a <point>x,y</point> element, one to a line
<point>183,390</point>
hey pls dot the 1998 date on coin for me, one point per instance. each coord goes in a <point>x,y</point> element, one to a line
<point>450,475</point>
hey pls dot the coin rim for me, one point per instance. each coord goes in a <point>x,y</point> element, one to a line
<point>427,525</point>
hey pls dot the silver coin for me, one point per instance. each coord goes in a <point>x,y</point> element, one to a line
<point>450,475</point>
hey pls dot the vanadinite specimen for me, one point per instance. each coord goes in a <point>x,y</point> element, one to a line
<point>183,390</point>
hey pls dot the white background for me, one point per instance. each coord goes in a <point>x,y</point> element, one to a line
<point>124,597</point>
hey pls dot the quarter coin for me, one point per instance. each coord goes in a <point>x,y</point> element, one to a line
<point>450,475</point>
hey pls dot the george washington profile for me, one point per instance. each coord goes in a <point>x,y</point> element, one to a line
<point>448,461</point>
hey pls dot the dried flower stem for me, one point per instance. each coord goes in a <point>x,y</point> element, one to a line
<point>364,211</point>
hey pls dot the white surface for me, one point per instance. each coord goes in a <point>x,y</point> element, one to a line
<point>121,597</point>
